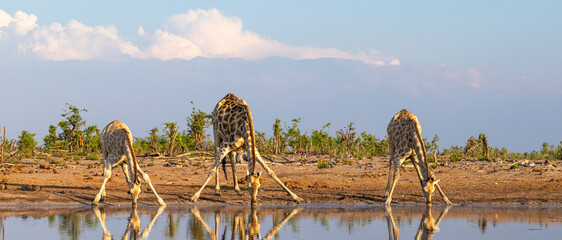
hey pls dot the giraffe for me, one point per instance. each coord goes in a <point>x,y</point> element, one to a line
<point>134,223</point>
<point>405,142</point>
<point>117,149</point>
<point>251,231</point>
<point>428,225</point>
<point>233,129</point>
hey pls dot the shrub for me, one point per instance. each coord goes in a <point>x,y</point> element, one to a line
<point>92,156</point>
<point>454,157</point>
<point>323,164</point>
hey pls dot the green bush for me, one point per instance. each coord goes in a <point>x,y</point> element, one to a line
<point>454,157</point>
<point>323,164</point>
<point>92,156</point>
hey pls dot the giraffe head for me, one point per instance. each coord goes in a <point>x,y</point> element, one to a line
<point>135,191</point>
<point>254,183</point>
<point>429,188</point>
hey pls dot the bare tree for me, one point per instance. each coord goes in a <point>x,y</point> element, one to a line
<point>3,143</point>
<point>347,136</point>
<point>153,138</point>
<point>171,131</point>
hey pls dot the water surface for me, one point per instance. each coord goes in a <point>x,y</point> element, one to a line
<point>282,222</point>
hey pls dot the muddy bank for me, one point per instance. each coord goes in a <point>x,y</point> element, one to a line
<point>357,182</point>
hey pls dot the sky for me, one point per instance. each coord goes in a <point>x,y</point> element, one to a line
<point>463,67</point>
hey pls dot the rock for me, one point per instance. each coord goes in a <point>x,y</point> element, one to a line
<point>32,188</point>
<point>46,166</point>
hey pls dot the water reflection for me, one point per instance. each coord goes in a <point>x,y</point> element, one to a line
<point>133,225</point>
<point>251,230</point>
<point>2,229</point>
<point>281,222</point>
<point>427,228</point>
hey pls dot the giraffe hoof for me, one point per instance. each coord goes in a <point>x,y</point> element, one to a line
<point>218,193</point>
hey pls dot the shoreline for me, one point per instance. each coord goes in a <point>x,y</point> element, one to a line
<point>362,181</point>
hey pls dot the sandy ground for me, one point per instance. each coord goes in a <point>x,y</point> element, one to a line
<point>36,182</point>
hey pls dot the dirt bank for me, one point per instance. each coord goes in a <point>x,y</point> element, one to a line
<point>361,181</point>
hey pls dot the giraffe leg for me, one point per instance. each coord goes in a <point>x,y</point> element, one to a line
<point>217,184</point>
<point>125,168</point>
<point>146,179</point>
<point>272,174</point>
<point>397,161</point>
<point>106,176</point>
<point>232,157</point>
<point>445,198</point>
<point>391,154</point>
<point>218,157</point>
<point>418,167</point>
<point>389,180</point>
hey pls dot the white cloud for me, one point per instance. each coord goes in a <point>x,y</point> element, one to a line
<point>24,22</point>
<point>20,24</point>
<point>5,18</point>
<point>140,31</point>
<point>208,33</point>
<point>205,33</point>
<point>182,47</point>
<point>394,62</point>
<point>476,78</point>
<point>76,41</point>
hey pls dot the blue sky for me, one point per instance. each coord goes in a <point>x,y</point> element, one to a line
<point>464,67</point>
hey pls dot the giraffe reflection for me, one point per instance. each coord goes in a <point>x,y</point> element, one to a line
<point>428,225</point>
<point>133,226</point>
<point>252,231</point>
<point>2,229</point>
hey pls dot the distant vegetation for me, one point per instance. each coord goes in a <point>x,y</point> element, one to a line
<point>72,139</point>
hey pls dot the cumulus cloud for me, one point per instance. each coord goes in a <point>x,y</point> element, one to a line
<point>208,33</point>
<point>205,33</point>
<point>24,22</point>
<point>78,42</point>
<point>394,62</point>
<point>20,24</point>
<point>5,18</point>
<point>168,46</point>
